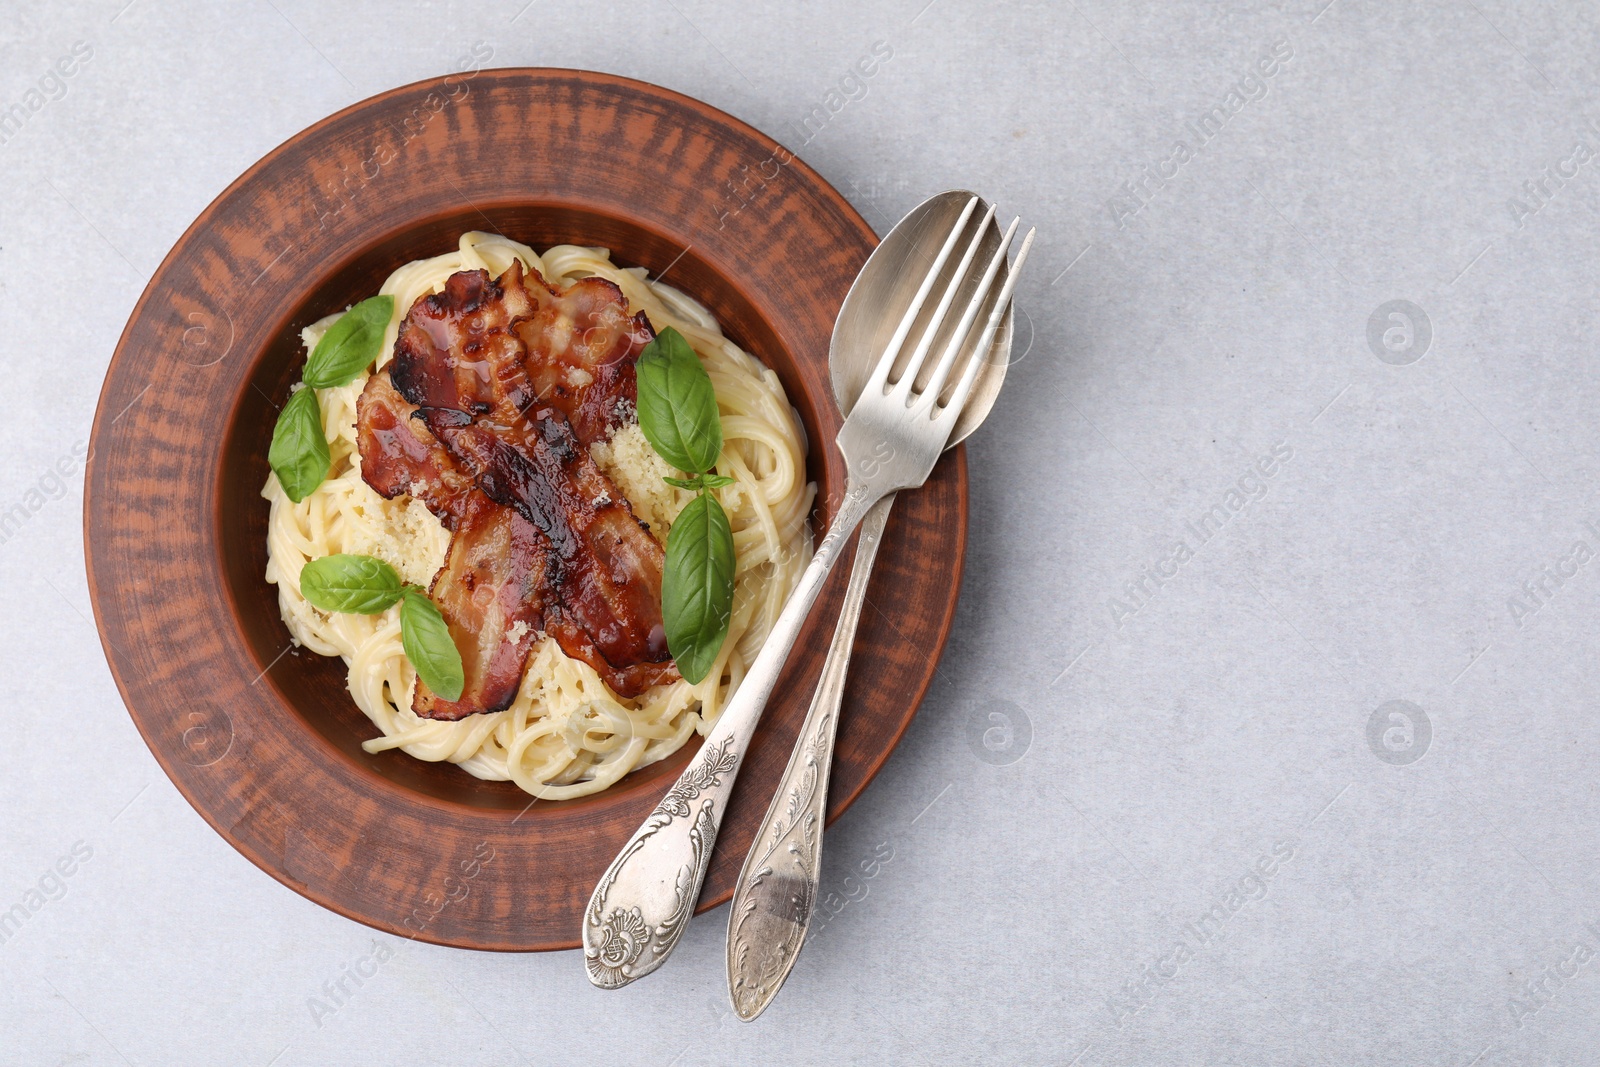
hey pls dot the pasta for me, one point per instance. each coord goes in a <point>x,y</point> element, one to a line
<point>566,734</point>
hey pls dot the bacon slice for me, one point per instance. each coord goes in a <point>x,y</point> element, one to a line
<point>511,342</point>
<point>399,456</point>
<point>605,568</point>
<point>493,578</point>
<point>497,387</point>
<point>455,348</point>
<point>585,348</point>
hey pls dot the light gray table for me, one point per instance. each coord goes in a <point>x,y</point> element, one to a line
<point>1161,807</point>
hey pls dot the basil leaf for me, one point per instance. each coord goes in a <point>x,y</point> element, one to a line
<point>699,481</point>
<point>429,647</point>
<point>350,344</point>
<point>358,585</point>
<point>677,405</point>
<point>299,451</point>
<point>697,586</point>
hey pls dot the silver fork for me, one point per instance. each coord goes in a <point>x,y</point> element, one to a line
<point>890,441</point>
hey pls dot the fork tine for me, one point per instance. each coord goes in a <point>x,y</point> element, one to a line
<point>959,398</point>
<point>908,377</point>
<point>880,373</point>
<point>952,350</point>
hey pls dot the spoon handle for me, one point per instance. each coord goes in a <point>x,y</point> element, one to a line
<point>643,902</point>
<point>777,889</point>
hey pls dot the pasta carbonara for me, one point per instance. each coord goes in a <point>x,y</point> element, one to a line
<point>566,734</point>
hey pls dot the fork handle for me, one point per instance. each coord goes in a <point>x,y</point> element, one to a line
<point>645,898</point>
<point>777,890</point>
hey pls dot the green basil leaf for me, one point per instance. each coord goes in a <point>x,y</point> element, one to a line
<point>429,647</point>
<point>677,405</point>
<point>350,344</point>
<point>299,451</point>
<point>699,481</point>
<point>358,585</point>
<point>697,586</point>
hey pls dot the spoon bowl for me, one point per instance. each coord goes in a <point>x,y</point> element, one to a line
<point>886,287</point>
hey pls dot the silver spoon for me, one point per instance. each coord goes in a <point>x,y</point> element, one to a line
<point>777,890</point>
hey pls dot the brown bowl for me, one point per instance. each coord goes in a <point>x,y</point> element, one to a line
<point>263,739</point>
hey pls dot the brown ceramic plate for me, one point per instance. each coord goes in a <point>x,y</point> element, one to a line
<point>264,741</point>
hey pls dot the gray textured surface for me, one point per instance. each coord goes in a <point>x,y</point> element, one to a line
<point>1161,748</point>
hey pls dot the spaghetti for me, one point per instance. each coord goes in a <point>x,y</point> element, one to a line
<point>566,734</point>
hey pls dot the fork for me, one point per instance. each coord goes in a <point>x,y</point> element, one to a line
<point>890,441</point>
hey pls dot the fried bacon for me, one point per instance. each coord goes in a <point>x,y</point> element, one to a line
<point>456,350</point>
<point>493,578</point>
<point>399,456</point>
<point>511,342</point>
<point>604,566</point>
<point>493,573</point>
<point>497,388</point>
<point>589,347</point>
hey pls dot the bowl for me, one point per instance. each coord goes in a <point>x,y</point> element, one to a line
<point>263,738</point>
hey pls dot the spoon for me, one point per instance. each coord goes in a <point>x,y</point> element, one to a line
<point>777,889</point>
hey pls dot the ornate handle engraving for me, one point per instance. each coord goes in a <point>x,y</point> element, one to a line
<point>777,888</point>
<point>619,943</point>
